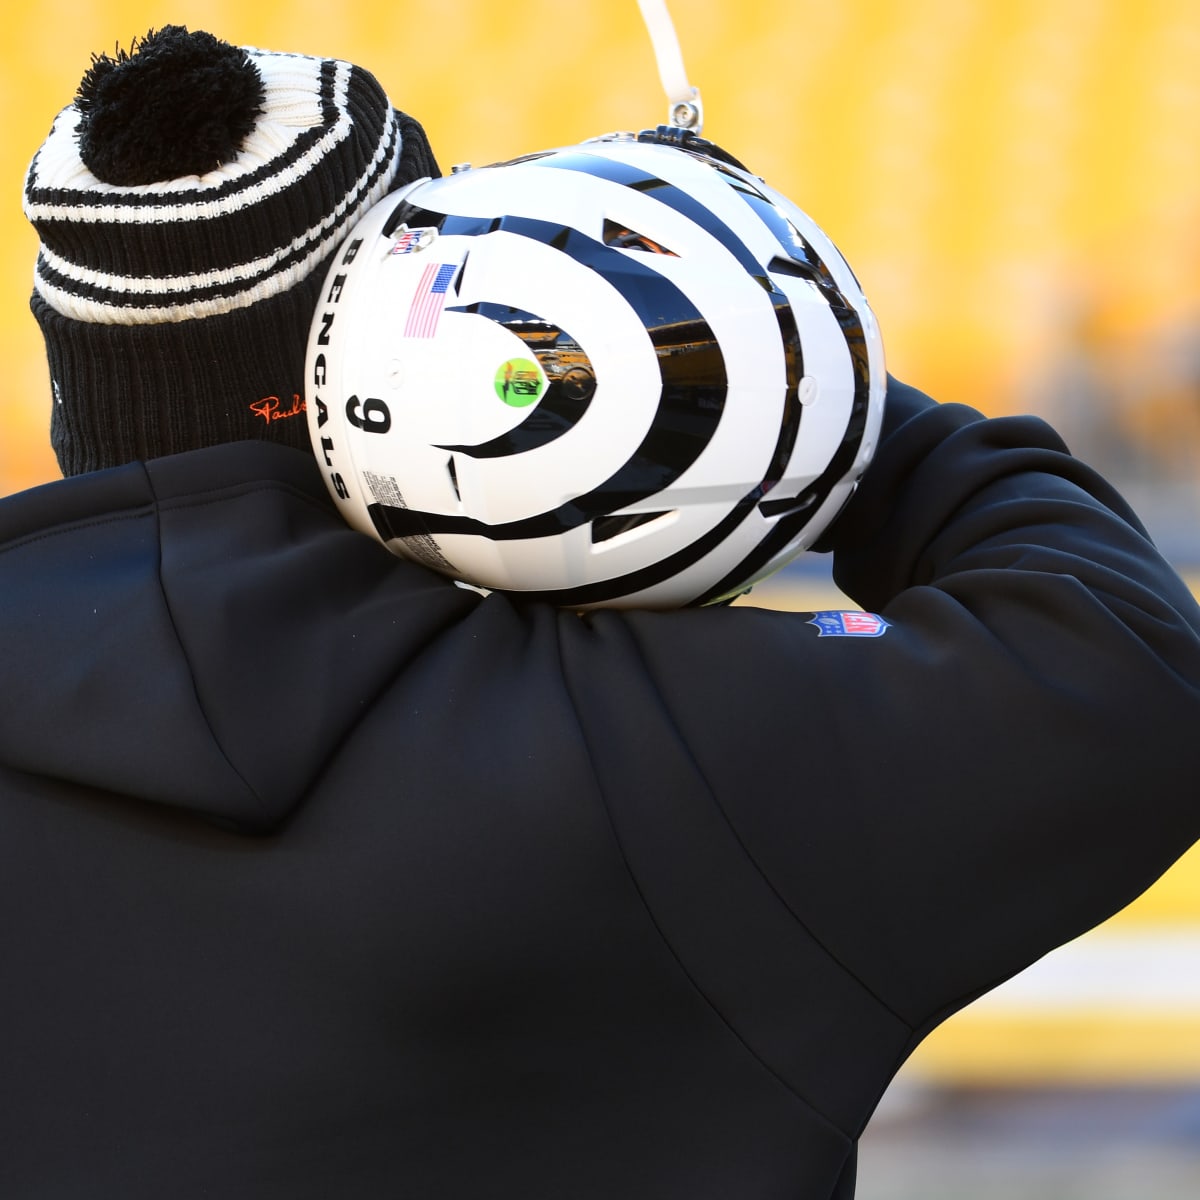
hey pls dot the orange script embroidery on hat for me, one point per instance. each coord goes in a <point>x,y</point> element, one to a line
<point>270,408</point>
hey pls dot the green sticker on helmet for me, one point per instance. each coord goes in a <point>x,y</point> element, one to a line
<point>520,382</point>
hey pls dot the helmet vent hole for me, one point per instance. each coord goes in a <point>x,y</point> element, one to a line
<point>412,216</point>
<point>453,479</point>
<point>788,505</point>
<point>623,238</point>
<point>605,529</point>
<point>790,266</point>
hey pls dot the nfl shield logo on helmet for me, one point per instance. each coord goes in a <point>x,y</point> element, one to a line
<point>409,241</point>
<point>849,624</point>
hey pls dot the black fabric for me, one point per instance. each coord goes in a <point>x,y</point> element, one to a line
<point>321,876</point>
<point>121,393</point>
<point>139,117</point>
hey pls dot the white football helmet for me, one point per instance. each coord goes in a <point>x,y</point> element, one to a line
<point>622,373</point>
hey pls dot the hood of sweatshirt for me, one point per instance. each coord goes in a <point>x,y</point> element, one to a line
<point>199,631</point>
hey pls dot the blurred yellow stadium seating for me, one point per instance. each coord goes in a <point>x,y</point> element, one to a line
<point>1016,184</point>
<point>1013,181</point>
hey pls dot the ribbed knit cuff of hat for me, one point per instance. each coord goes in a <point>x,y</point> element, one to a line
<point>187,205</point>
<point>122,393</point>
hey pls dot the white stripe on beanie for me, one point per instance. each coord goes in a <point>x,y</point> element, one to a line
<point>305,150</point>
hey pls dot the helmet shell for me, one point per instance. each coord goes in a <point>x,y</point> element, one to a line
<point>620,373</point>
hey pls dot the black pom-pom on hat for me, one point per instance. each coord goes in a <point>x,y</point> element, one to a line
<point>187,203</point>
<point>176,104</point>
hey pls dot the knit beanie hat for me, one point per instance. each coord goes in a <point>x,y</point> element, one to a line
<point>186,204</point>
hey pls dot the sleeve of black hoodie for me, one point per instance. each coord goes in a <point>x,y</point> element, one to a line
<point>1011,762</point>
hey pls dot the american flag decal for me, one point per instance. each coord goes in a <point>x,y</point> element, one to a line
<point>426,307</point>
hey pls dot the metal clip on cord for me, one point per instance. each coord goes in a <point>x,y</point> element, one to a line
<point>684,108</point>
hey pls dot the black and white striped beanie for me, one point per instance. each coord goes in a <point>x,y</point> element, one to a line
<point>186,203</point>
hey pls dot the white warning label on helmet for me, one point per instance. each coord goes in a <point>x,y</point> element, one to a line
<point>419,547</point>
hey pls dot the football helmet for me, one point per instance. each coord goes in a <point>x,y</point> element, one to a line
<point>620,373</point>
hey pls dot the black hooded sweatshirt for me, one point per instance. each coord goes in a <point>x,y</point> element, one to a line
<point>322,877</point>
